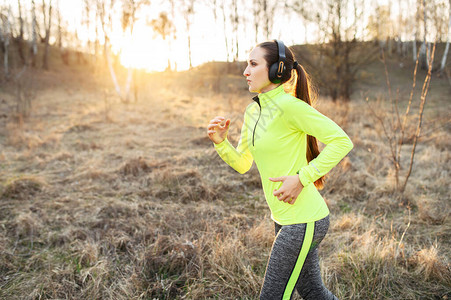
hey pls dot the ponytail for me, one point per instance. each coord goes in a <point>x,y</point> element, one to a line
<point>302,90</point>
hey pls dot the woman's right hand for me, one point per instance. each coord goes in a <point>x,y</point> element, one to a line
<point>217,129</point>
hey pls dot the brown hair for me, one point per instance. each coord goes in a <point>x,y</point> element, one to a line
<point>301,88</point>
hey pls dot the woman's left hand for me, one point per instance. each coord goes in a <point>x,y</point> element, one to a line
<point>290,189</point>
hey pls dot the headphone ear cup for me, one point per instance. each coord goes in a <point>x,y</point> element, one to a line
<point>272,73</point>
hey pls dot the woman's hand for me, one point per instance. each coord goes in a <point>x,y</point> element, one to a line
<point>218,130</point>
<point>290,189</point>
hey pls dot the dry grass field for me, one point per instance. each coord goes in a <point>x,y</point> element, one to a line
<point>107,200</point>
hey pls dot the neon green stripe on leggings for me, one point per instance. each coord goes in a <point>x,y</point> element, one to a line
<point>310,227</point>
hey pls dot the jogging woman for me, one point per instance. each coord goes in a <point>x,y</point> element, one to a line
<point>280,132</point>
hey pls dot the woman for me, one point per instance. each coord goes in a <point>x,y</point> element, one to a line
<point>279,133</point>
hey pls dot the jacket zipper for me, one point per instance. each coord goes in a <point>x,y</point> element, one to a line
<point>253,133</point>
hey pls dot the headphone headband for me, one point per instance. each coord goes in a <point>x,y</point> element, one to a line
<point>281,48</point>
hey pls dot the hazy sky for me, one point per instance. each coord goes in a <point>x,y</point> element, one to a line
<point>207,37</point>
<point>145,50</point>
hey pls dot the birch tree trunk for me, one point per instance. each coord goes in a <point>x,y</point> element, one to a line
<point>173,34</point>
<point>188,13</point>
<point>234,19</point>
<point>267,18</point>
<point>59,38</point>
<point>47,33</point>
<point>188,25</point>
<point>399,42</point>
<point>5,32</point>
<point>224,20</point>
<point>104,19</point>
<point>128,19</point>
<point>256,12</point>
<point>445,54</point>
<point>110,67</point>
<point>87,22</point>
<point>96,43</point>
<point>6,44</point>
<point>415,35</point>
<point>64,54</point>
<point>34,35</point>
<point>20,39</point>
<point>423,56</point>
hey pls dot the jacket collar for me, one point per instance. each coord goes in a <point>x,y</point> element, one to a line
<point>264,99</point>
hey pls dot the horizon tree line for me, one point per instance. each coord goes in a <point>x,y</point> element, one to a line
<point>336,26</point>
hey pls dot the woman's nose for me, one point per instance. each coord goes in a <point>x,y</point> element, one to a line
<point>246,72</point>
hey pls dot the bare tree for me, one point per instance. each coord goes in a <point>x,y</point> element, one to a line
<point>104,12</point>
<point>64,53</point>
<point>164,27</point>
<point>96,41</point>
<point>390,35</point>
<point>235,22</point>
<point>380,25</point>
<point>106,22</point>
<point>445,54</point>
<point>224,20</point>
<point>302,8</point>
<point>263,17</point>
<point>87,21</point>
<point>47,25</point>
<point>438,19</point>
<point>5,35</point>
<point>34,35</point>
<point>59,29</point>
<point>188,14</point>
<point>399,42</point>
<point>256,10</point>
<point>268,9</point>
<point>423,57</point>
<point>340,56</point>
<point>25,93</point>
<point>394,125</point>
<point>173,33</point>
<point>19,40</point>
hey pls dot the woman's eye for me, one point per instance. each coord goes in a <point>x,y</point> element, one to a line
<point>253,64</point>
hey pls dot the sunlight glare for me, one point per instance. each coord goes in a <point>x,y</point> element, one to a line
<point>143,51</point>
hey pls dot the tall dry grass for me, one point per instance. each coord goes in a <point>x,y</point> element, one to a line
<point>139,206</point>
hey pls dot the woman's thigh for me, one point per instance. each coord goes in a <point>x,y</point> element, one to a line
<point>292,253</point>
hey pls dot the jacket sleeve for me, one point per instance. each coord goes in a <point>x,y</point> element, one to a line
<point>301,116</point>
<point>240,158</point>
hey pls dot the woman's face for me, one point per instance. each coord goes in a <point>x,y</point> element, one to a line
<point>256,72</point>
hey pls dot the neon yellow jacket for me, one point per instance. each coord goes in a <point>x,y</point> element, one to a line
<point>274,134</point>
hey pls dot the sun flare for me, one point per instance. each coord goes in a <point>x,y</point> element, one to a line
<point>144,51</point>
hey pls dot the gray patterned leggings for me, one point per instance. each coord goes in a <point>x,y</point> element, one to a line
<point>294,263</point>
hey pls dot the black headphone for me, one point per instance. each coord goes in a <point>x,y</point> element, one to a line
<point>276,69</point>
